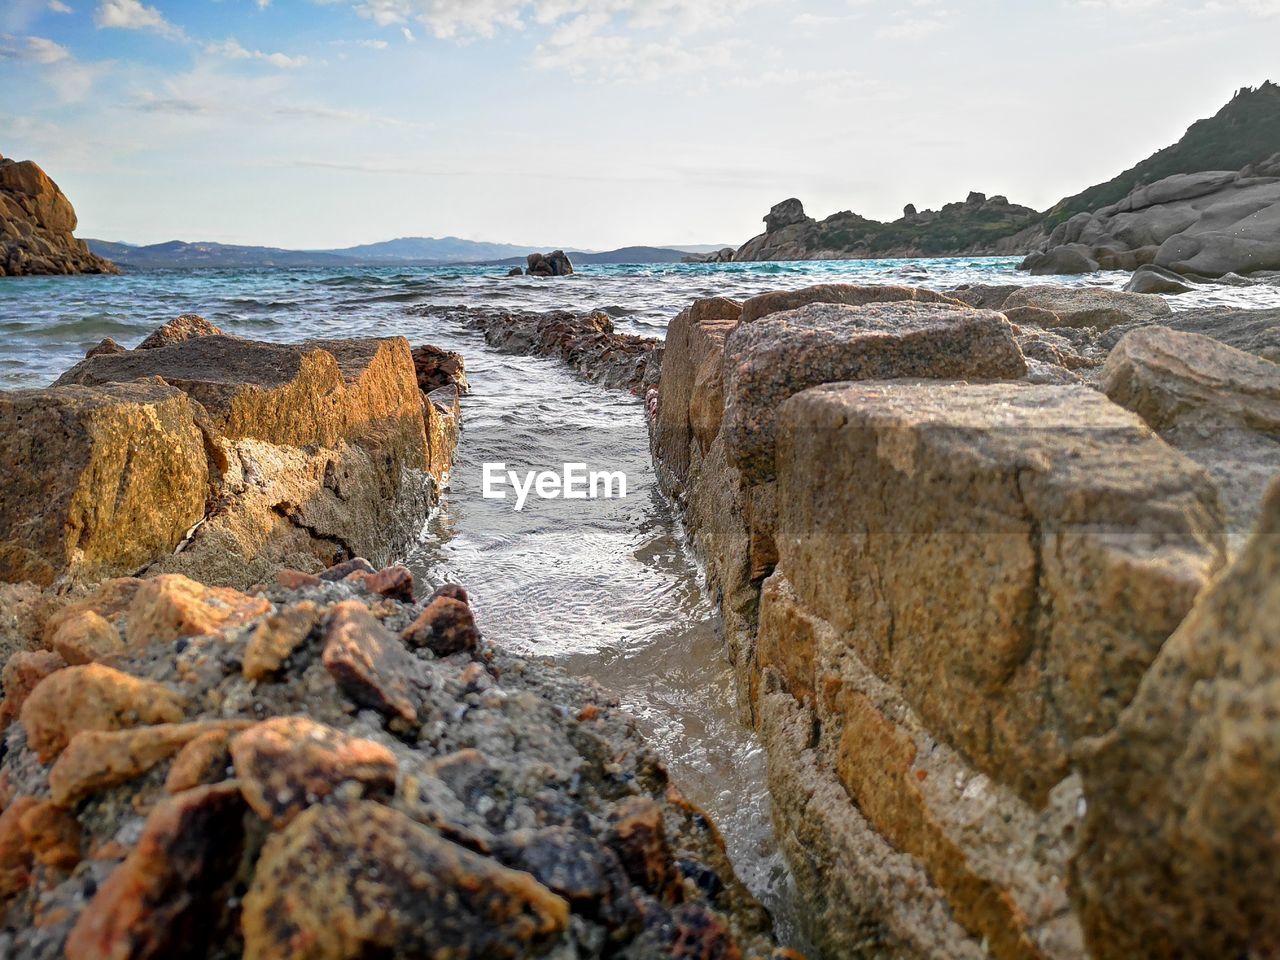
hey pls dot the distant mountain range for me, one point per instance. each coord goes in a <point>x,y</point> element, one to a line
<point>405,251</point>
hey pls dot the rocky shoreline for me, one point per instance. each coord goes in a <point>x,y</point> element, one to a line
<point>996,570</point>
<point>966,567</point>
<point>997,574</point>
<point>226,733</point>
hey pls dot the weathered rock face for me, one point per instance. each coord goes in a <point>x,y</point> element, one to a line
<point>224,457</point>
<point>198,812</point>
<point>555,264</point>
<point>36,226</point>
<point>587,342</point>
<point>1181,836</point>
<point>999,525</point>
<point>1218,405</point>
<point>949,588</point>
<point>1254,331</point>
<point>1094,307</point>
<point>1208,224</point>
<point>781,354</point>
<point>188,326</point>
<point>98,480</point>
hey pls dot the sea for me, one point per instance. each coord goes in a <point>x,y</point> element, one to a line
<point>602,587</point>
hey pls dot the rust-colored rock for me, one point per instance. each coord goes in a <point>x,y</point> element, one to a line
<point>436,368</point>
<point>288,763</point>
<point>172,606</point>
<point>97,759</point>
<point>104,346</point>
<point>172,889</point>
<point>52,835</point>
<point>276,637</point>
<point>92,697</point>
<point>445,627</point>
<point>15,855</point>
<point>86,637</point>
<point>394,582</point>
<point>22,674</point>
<point>108,599</point>
<point>637,835</point>
<point>185,327</point>
<point>370,665</point>
<point>204,760</point>
<point>98,481</point>
<point>417,894</point>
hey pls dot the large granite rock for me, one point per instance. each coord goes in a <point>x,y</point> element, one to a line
<point>99,480</point>
<point>1210,223</point>
<point>783,353</point>
<point>36,226</point>
<point>1095,307</point>
<point>517,813</point>
<point>1182,834</point>
<point>991,549</point>
<point>222,457</point>
<point>847,294</point>
<point>1254,331</point>
<point>1218,405</point>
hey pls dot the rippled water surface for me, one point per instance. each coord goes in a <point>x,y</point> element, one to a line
<point>602,587</point>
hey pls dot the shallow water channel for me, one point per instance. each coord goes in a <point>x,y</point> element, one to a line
<point>602,587</point>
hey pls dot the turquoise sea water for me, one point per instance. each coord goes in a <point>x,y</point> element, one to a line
<point>46,324</point>
<point>603,588</point>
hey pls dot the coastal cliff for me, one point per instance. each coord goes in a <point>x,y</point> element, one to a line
<point>36,226</point>
<point>965,564</point>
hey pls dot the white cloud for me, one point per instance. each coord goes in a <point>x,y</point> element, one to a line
<point>70,79</point>
<point>911,28</point>
<point>57,6</point>
<point>134,15</point>
<point>408,35</point>
<point>232,50</point>
<point>32,49</point>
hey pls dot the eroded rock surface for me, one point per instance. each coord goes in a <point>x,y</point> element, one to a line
<point>1181,836</point>
<point>512,811</point>
<point>225,458</point>
<point>781,354</point>
<point>1218,405</point>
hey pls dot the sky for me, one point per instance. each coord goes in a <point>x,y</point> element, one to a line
<point>594,123</point>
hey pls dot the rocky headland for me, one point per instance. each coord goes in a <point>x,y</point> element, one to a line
<point>36,226</point>
<point>226,733</point>
<point>1205,207</point>
<point>977,226</point>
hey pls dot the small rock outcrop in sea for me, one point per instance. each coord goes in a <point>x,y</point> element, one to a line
<point>723,255</point>
<point>585,341</point>
<point>36,226</point>
<point>221,457</point>
<point>555,264</point>
<point>1197,224</point>
<point>325,766</point>
<point>949,605</point>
